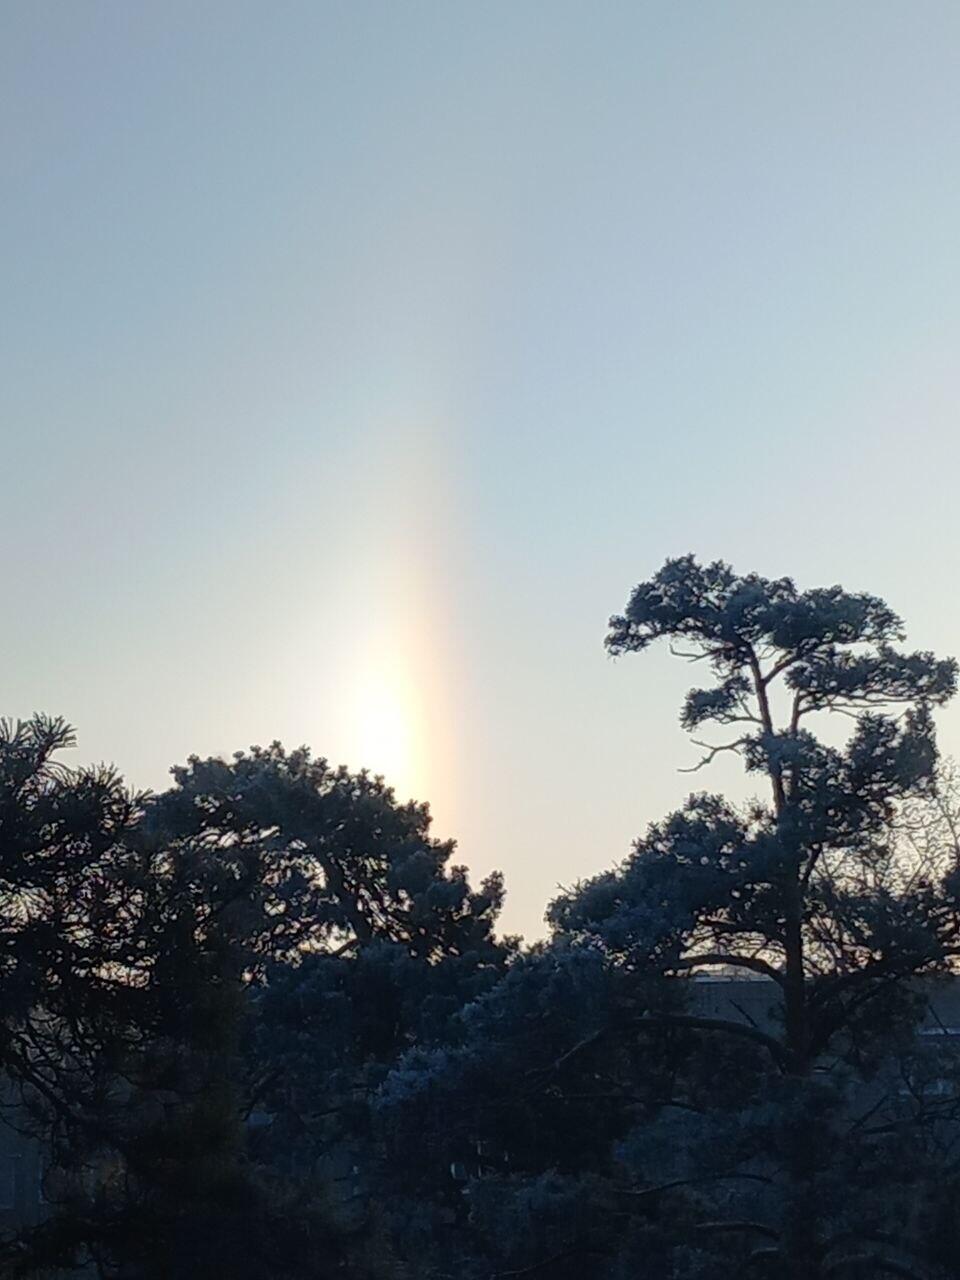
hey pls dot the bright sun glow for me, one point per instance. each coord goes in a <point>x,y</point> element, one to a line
<point>387,727</point>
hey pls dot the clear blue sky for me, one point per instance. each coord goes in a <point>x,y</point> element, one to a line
<point>358,358</point>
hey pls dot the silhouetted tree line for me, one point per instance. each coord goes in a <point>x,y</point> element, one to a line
<point>265,1028</point>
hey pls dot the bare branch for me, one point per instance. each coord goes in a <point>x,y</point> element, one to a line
<point>640,1192</point>
<point>755,1228</point>
<point>540,1266</point>
<point>875,1262</point>
<point>713,752</point>
<point>690,657</point>
<point>662,1021</point>
<point>714,959</point>
<point>780,666</point>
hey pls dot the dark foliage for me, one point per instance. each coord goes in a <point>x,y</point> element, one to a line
<point>263,1027</point>
<point>627,1129</point>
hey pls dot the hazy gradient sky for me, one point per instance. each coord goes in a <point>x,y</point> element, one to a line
<point>358,358</point>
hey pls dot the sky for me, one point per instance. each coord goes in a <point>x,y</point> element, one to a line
<point>357,359</point>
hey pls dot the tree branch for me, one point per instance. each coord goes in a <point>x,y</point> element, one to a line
<point>782,665</point>
<point>712,752</point>
<point>713,959</point>
<point>661,1021</point>
<point>640,1192</point>
<point>873,1261</point>
<point>538,1266</point>
<point>756,1228</point>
